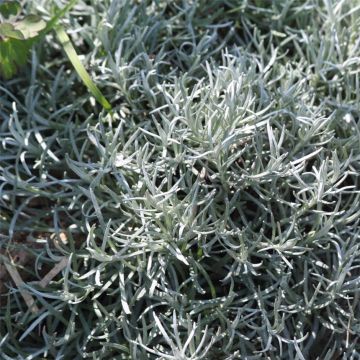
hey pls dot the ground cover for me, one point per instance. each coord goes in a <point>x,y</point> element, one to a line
<point>213,213</point>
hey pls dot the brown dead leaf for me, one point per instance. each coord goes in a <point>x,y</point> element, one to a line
<point>53,272</point>
<point>29,300</point>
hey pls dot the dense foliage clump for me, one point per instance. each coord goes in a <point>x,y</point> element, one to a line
<point>214,213</point>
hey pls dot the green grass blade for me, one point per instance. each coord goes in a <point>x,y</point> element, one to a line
<point>79,67</point>
<point>54,20</point>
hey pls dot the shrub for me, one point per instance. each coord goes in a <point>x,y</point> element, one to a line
<point>214,214</point>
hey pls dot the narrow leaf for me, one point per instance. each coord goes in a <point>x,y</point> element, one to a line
<point>29,300</point>
<point>54,20</point>
<point>79,67</point>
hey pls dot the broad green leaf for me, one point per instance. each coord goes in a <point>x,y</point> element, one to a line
<point>30,26</point>
<point>8,8</point>
<point>7,30</point>
<point>13,55</point>
<point>15,42</point>
<point>79,67</point>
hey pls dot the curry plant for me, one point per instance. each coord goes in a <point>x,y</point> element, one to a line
<point>217,215</point>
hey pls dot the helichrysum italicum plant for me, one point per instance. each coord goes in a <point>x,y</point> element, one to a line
<point>214,214</point>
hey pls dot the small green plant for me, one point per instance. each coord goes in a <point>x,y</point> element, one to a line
<point>16,37</point>
<point>18,34</point>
